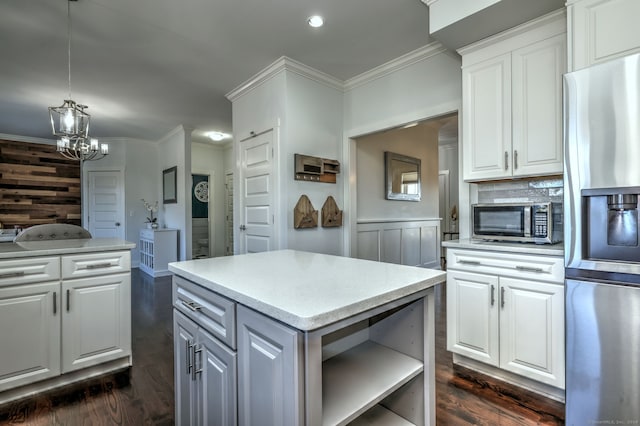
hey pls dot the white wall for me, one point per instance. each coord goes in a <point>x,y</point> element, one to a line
<point>420,142</point>
<point>424,84</point>
<point>312,126</point>
<point>209,160</point>
<point>427,86</point>
<point>138,159</point>
<point>175,150</point>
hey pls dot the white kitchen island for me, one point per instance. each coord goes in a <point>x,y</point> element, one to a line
<point>65,313</point>
<point>296,338</point>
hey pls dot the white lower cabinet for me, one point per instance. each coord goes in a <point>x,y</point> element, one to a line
<point>96,320</point>
<point>30,346</point>
<point>58,328</point>
<point>500,311</point>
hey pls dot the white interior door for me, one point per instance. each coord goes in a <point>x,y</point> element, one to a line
<point>256,227</point>
<point>105,206</point>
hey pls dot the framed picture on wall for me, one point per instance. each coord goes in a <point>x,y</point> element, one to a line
<point>169,178</point>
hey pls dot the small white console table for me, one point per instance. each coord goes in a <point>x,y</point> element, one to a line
<point>158,247</point>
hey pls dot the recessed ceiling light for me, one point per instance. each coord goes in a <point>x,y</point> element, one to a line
<point>218,136</point>
<point>315,21</point>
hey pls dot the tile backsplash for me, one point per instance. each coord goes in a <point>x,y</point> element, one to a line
<point>536,190</point>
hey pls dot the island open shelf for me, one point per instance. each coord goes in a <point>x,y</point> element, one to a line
<point>358,379</point>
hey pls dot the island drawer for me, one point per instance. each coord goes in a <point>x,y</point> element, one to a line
<point>29,270</point>
<point>93,264</point>
<point>211,311</point>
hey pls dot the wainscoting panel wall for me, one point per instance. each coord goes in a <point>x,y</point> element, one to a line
<point>414,243</point>
<point>37,185</point>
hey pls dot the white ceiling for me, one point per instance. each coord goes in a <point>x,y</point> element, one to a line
<point>146,66</point>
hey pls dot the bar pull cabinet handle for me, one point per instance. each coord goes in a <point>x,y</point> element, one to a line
<point>502,297</point>
<point>515,159</point>
<point>469,262</point>
<point>193,306</point>
<point>528,269</point>
<point>506,160</point>
<point>68,300</point>
<point>12,274</point>
<point>55,303</point>
<point>195,369</point>
<point>187,352</point>
<point>99,265</point>
<point>493,295</point>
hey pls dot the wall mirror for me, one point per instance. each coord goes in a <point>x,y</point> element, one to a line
<point>169,195</point>
<point>402,174</point>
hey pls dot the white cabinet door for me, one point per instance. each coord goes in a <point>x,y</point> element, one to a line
<point>184,338</point>
<point>96,320</point>
<point>472,316</point>
<point>537,107</point>
<point>269,372</point>
<point>486,103</point>
<point>602,30</point>
<point>29,334</point>
<point>216,367</point>
<point>532,330</point>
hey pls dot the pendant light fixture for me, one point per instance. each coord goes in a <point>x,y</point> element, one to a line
<point>70,121</point>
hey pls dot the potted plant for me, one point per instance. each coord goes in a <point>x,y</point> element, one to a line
<point>152,222</point>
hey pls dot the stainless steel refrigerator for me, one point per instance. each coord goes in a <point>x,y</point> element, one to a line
<point>602,254</point>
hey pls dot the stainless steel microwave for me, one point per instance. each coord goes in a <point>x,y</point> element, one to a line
<point>539,223</point>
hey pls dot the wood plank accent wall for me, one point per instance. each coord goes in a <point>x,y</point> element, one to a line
<point>37,185</point>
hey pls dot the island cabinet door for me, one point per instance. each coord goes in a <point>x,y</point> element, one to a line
<point>96,320</point>
<point>184,339</point>
<point>270,378</point>
<point>29,333</point>
<point>216,367</point>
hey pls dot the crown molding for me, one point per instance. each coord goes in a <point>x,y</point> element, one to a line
<point>404,61</point>
<point>284,64</point>
<point>186,131</point>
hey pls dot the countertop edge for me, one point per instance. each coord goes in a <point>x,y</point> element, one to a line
<point>46,248</point>
<point>522,248</point>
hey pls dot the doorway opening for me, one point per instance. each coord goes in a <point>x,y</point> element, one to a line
<point>200,231</point>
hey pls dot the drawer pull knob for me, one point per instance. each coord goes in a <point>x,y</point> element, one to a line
<point>12,274</point>
<point>192,305</point>
<point>99,265</point>
<point>528,268</point>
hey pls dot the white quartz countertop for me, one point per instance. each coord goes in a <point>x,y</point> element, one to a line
<point>57,247</point>
<point>526,248</point>
<point>306,290</point>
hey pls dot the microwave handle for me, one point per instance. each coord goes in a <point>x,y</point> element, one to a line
<point>528,214</point>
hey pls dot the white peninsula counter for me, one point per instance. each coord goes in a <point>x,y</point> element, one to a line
<point>296,338</point>
<point>65,312</point>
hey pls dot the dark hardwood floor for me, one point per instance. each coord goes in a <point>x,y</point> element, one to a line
<point>143,395</point>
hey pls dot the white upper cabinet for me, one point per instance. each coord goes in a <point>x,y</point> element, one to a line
<point>601,30</point>
<point>512,102</point>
